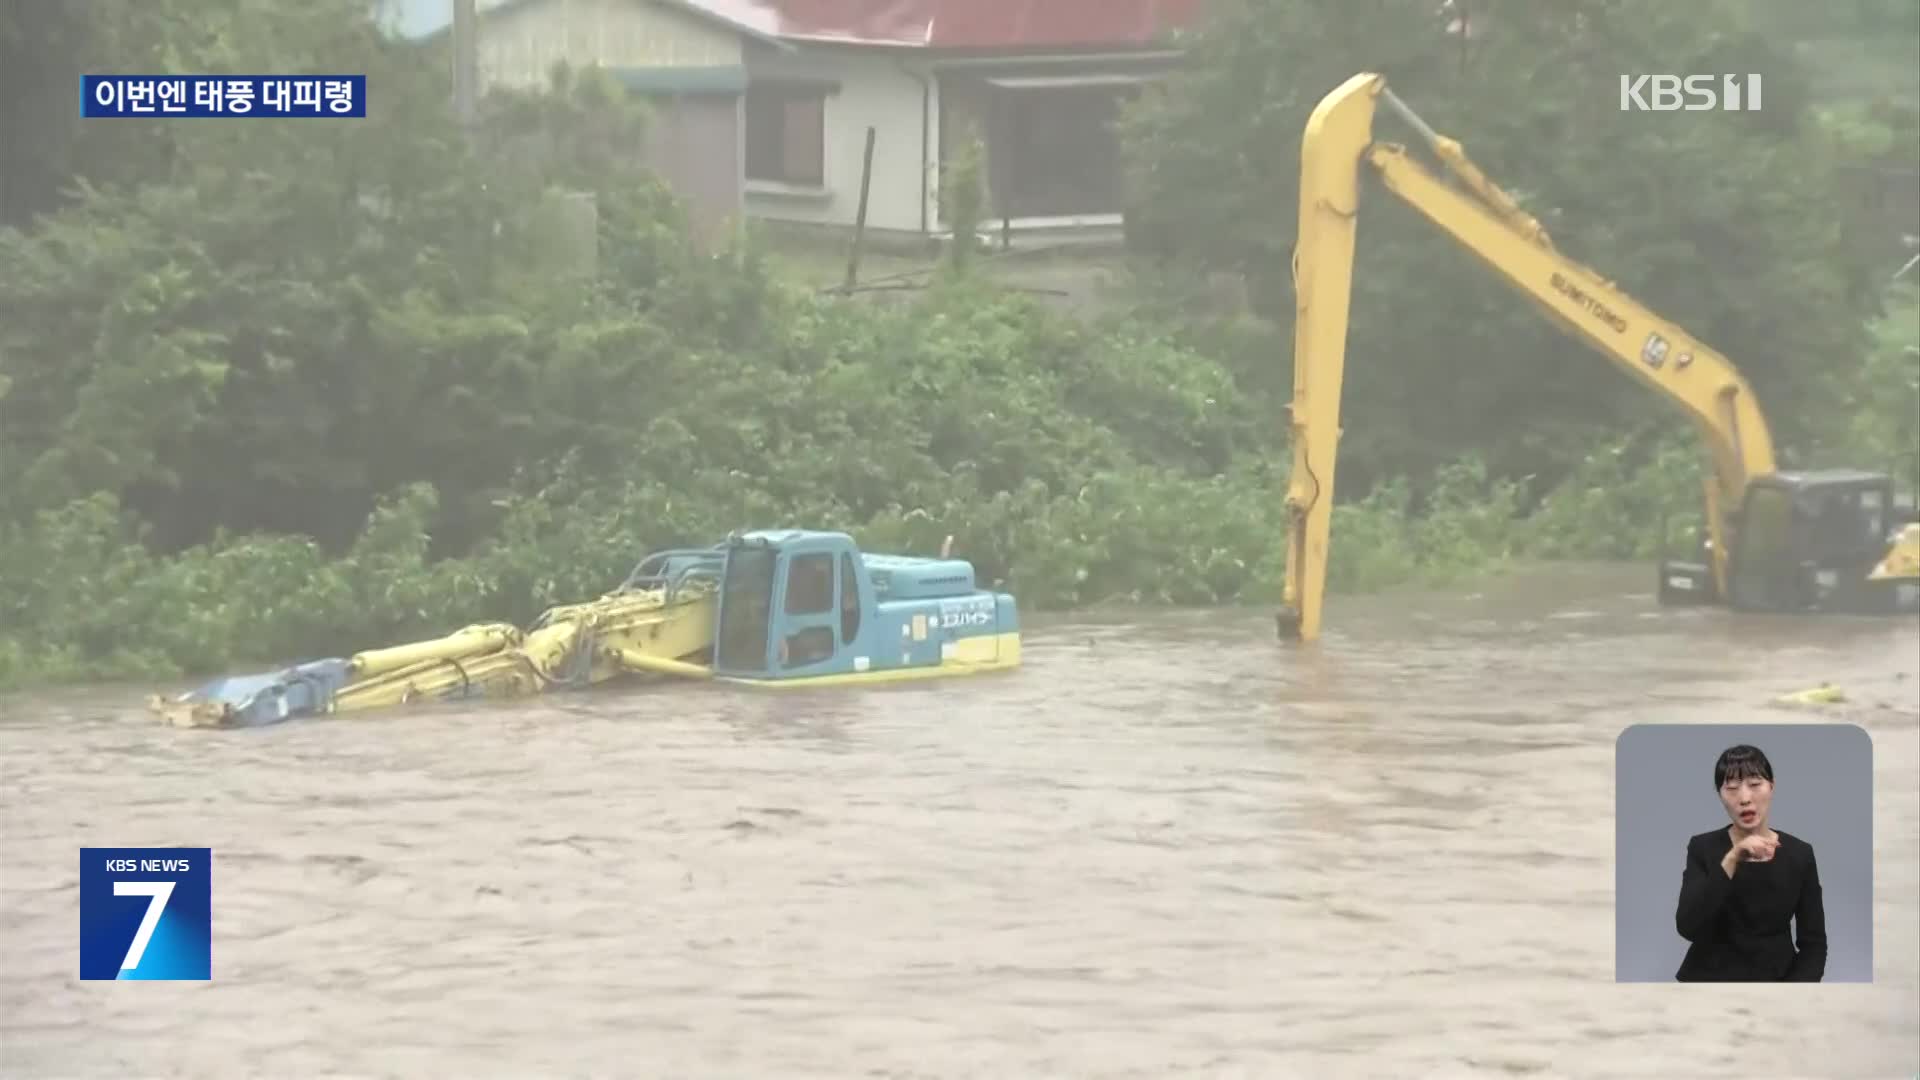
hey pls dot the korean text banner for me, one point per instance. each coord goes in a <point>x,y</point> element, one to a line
<point>258,96</point>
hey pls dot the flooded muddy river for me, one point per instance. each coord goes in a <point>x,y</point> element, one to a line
<point>1168,845</point>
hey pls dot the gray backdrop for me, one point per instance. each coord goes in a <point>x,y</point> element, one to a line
<point>1663,790</point>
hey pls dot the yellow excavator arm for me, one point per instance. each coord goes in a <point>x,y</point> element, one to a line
<point>1902,561</point>
<point>1491,225</point>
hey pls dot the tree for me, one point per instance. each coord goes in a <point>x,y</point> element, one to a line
<point>267,325</point>
<point>963,194</point>
<point>1704,216</point>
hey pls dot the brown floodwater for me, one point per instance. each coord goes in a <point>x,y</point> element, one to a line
<point>1167,845</point>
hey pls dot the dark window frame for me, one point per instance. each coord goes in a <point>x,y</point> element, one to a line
<point>778,116</point>
<point>798,579</point>
<point>849,600</point>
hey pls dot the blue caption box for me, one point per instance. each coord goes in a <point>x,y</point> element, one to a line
<point>237,96</point>
<point>146,913</point>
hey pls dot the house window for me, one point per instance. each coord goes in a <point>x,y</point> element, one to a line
<point>1052,147</point>
<point>787,134</point>
<point>1059,152</point>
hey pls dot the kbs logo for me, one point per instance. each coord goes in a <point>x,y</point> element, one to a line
<point>146,913</point>
<point>1691,93</point>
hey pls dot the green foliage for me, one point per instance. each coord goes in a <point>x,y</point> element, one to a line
<point>1877,424</point>
<point>1856,50</point>
<point>963,194</point>
<point>1726,223</point>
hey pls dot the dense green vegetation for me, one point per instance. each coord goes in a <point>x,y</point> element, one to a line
<point>277,390</point>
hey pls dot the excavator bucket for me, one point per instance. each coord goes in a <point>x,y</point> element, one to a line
<point>256,700</point>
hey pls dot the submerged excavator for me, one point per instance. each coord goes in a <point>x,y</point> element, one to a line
<point>1773,541</point>
<point>767,608</point>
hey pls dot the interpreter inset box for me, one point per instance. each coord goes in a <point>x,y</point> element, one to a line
<point>1743,853</point>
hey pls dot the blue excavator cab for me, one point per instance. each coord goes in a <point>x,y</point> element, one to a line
<point>801,606</point>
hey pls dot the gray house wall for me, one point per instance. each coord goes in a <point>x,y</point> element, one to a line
<point>694,144</point>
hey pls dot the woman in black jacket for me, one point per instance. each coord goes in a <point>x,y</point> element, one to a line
<point>1745,884</point>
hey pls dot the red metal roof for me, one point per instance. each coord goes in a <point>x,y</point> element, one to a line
<point>965,24</point>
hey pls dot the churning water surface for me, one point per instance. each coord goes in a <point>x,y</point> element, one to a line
<point>1169,845</point>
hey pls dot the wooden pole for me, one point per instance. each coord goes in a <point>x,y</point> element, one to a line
<point>466,65</point>
<point>860,216</point>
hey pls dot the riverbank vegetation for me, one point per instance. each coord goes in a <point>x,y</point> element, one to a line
<point>270,391</point>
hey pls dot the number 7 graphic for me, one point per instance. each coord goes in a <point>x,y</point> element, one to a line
<point>157,892</point>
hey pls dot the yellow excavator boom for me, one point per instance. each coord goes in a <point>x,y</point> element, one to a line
<point>634,630</point>
<point>1490,224</point>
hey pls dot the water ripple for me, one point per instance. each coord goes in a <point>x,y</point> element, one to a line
<point>1167,846</point>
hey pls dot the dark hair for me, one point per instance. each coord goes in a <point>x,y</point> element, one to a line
<point>1739,763</point>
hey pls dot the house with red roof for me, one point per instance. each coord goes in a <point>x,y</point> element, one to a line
<point>763,107</point>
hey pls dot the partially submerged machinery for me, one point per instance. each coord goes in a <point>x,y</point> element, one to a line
<point>764,608</point>
<point>1774,541</point>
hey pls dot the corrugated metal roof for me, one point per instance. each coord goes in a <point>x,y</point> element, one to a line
<point>995,24</point>
<point>937,24</point>
<point>421,19</point>
<point>966,24</point>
